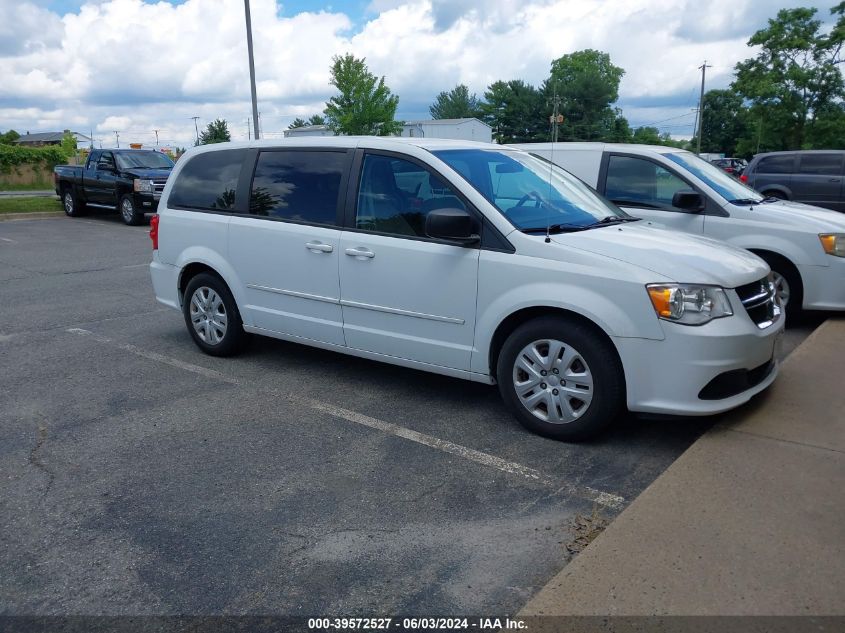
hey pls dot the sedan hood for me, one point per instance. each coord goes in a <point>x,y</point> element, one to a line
<point>801,216</point>
<point>678,256</point>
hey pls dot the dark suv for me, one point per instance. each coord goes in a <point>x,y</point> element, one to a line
<point>814,177</point>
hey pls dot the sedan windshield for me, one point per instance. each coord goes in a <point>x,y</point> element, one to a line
<point>717,179</point>
<point>533,194</point>
<point>144,160</point>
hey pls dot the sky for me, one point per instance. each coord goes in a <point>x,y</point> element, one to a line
<point>136,66</point>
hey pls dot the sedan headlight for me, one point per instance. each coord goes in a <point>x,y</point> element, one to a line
<point>143,186</point>
<point>833,243</point>
<point>689,304</point>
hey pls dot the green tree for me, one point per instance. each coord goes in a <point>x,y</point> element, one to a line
<point>316,119</point>
<point>216,132</point>
<point>365,104</point>
<point>646,136</point>
<point>726,120</point>
<point>8,138</point>
<point>297,122</point>
<point>794,79</point>
<point>587,83</point>
<point>516,111</point>
<point>458,103</point>
<point>68,143</point>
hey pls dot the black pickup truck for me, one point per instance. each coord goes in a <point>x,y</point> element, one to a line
<point>130,180</point>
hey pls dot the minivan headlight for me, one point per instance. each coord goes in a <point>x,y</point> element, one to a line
<point>833,243</point>
<point>689,304</point>
<point>143,186</point>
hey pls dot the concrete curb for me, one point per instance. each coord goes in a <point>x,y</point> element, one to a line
<point>34,215</point>
<point>748,521</point>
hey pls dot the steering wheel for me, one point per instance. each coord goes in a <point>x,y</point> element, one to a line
<point>528,196</point>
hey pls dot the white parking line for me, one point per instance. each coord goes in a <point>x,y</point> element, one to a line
<point>612,501</point>
<point>6,239</point>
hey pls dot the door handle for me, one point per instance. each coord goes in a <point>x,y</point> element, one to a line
<point>361,252</point>
<point>834,180</point>
<point>319,247</point>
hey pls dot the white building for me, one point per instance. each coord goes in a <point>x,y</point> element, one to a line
<point>461,129</point>
<point>308,130</point>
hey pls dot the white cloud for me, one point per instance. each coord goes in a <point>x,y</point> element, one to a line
<point>138,66</point>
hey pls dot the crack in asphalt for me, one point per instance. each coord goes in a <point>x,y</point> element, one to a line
<point>35,459</point>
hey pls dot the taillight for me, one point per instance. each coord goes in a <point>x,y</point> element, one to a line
<point>154,231</point>
<point>744,178</point>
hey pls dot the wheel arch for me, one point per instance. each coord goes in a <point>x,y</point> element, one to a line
<point>511,322</point>
<point>782,189</point>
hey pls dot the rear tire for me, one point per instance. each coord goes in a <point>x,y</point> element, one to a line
<point>212,316</point>
<point>131,215</point>
<point>561,379</point>
<point>775,194</point>
<point>73,207</point>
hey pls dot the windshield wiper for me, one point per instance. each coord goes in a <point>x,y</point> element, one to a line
<point>745,201</point>
<point>572,228</point>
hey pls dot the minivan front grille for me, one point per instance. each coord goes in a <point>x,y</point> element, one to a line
<point>760,302</point>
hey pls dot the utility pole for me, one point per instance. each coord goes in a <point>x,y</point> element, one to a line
<point>117,138</point>
<point>156,131</point>
<point>251,67</point>
<point>196,128</point>
<point>92,138</point>
<point>248,130</point>
<point>700,117</point>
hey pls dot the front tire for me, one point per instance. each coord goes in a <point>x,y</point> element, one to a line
<point>131,215</point>
<point>788,285</point>
<point>560,378</point>
<point>212,316</point>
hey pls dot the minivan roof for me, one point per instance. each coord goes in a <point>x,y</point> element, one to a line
<point>373,142</point>
<point>620,147</point>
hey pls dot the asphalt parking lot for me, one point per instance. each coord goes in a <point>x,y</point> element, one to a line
<point>140,476</point>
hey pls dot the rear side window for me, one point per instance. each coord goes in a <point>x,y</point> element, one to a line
<point>776,164</point>
<point>827,164</point>
<point>208,181</point>
<point>298,185</point>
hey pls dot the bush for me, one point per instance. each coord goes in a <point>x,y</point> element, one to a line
<point>12,156</point>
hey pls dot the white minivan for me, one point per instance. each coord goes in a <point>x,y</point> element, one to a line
<point>465,259</point>
<point>803,245</point>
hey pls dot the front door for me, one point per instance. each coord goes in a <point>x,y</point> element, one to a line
<point>286,249</point>
<point>645,190</point>
<point>403,294</point>
<point>100,187</point>
<point>819,180</point>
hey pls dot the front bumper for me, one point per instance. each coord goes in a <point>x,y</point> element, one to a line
<point>676,375</point>
<point>824,286</point>
<point>146,202</point>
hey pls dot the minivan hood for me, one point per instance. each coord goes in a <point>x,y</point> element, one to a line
<point>799,215</point>
<point>678,256</point>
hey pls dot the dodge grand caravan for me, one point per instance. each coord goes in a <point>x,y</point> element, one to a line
<point>464,259</point>
<point>803,245</point>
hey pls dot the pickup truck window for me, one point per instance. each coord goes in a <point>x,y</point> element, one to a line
<point>208,181</point>
<point>144,160</point>
<point>298,185</point>
<point>106,161</point>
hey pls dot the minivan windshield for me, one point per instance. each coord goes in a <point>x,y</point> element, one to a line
<point>717,179</point>
<point>143,160</point>
<point>533,194</point>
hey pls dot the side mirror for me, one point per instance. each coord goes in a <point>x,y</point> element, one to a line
<point>688,200</point>
<point>453,225</point>
<point>105,167</point>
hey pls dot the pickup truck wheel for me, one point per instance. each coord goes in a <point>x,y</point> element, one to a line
<point>71,204</point>
<point>560,378</point>
<point>130,214</point>
<point>212,316</point>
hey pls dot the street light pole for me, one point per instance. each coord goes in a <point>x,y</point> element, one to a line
<point>251,67</point>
